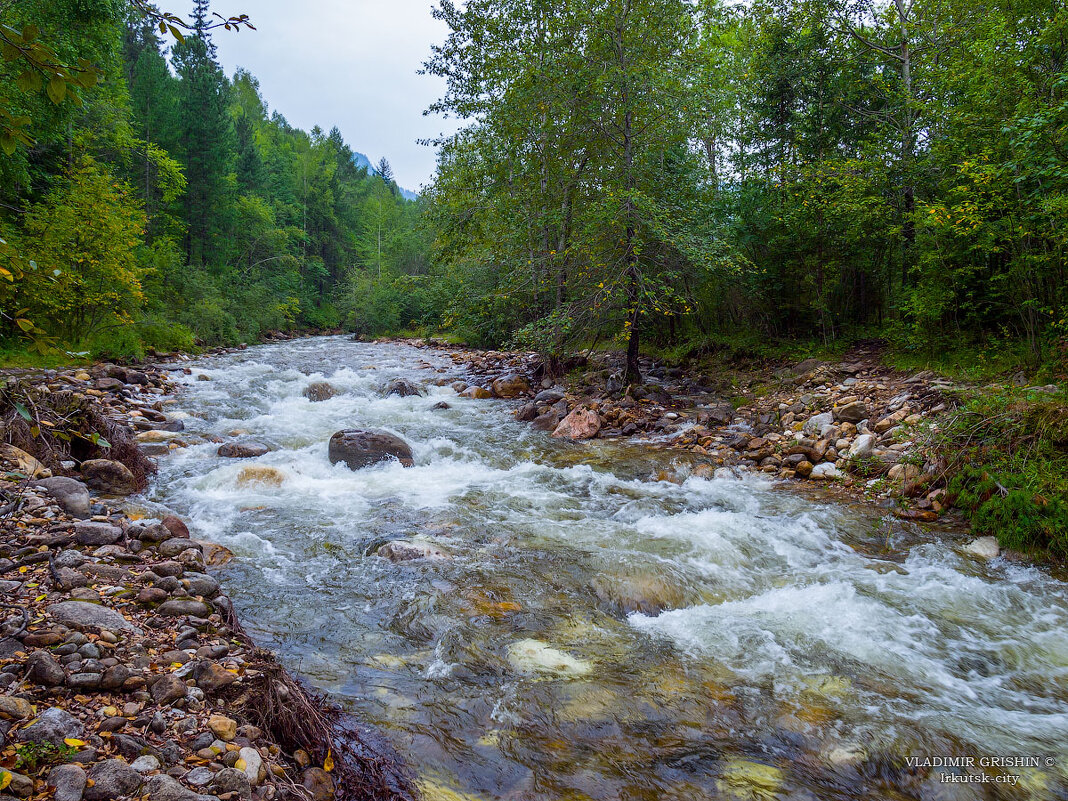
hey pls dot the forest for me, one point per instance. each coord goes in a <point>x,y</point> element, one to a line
<point>150,201</point>
<point>659,174</point>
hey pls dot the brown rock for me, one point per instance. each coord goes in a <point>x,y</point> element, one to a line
<point>318,392</point>
<point>476,393</point>
<point>109,476</point>
<point>223,727</point>
<point>510,386</point>
<point>580,424</point>
<point>42,668</point>
<point>168,689</point>
<point>24,462</point>
<point>14,708</point>
<point>238,450</point>
<point>175,526</point>
<point>852,412</point>
<point>319,784</point>
<point>357,448</point>
<point>214,677</point>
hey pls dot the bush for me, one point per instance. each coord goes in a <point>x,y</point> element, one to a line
<point>1011,454</point>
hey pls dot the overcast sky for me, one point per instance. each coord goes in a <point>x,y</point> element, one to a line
<point>349,63</point>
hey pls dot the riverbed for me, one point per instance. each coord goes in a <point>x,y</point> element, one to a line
<point>592,633</point>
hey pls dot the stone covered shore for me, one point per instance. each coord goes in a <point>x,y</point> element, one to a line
<point>857,428</point>
<point>123,670</point>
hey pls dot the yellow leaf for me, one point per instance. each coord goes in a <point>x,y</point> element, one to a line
<point>74,742</point>
<point>240,764</point>
<point>39,598</point>
<point>5,779</point>
<point>328,763</point>
<point>24,569</point>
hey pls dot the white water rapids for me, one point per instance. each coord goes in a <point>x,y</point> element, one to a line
<point>788,647</point>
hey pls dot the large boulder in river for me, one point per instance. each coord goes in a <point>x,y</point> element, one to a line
<point>511,386</point>
<point>404,388</point>
<point>580,424</point>
<point>476,393</point>
<point>319,391</point>
<point>241,450</point>
<point>109,476</point>
<point>357,448</point>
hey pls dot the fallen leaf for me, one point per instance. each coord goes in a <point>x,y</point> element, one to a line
<point>74,742</point>
<point>328,763</point>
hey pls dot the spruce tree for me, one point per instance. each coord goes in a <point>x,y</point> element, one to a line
<point>207,138</point>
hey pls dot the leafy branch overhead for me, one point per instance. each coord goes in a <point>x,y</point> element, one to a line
<point>39,67</point>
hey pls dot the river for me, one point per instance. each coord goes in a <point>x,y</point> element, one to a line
<point>596,634</point>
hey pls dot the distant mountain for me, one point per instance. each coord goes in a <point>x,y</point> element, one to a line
<point>360,160</point>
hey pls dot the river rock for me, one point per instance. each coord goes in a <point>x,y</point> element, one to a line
<point>230,780</point>
<point>409,550</point>
<point>510,386</point>
<point>862,447</point>
<point>580,424</point>
<point>25,463</point>
<point>403,388</point>
<point>534,656</point>
<point>109,476</point>
<point>984,548</point>
<point>112,779</point>
<point>213,677</point>
<point>824,472</point>
<point>146,763</point>
<point>319,391</point>
<point>14,708</point>
<point>183,607</point>
<point>175,546</point>
<point>815,424</point>
<point>260,475</point>
<point>476,393</point>
<point>852,412</point>
<point>647,593</point>
<point>241,450</point>
<point>318,783</point>
<point>81,615</point>
<point>547,397</point>
<point>215,555</point>
<point>167,689</point>
<point>67,782</point>
<point>166,788</point>
<point>547,422</point>
<point>70,493</point>
<point>253,764</point>
<point>87,533</point>
<point>742,779</point>
<point>903,473</point>
<point>357,448</point>
<point>53,726</point>
<point>223,727</point>
<point>42,668</point>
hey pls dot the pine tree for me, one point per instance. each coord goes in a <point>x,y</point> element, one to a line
<point>385,172</point>
<point>207,138</point>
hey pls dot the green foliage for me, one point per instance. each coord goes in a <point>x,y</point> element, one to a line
<point>31,756</point>
<point>170,209</point>
<point>1010,464</point>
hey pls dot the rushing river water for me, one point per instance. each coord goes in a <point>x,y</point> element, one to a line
<point>598,634</point>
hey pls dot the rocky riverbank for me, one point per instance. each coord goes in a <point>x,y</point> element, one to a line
<point>857,427</point>
<point>123,669</point>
